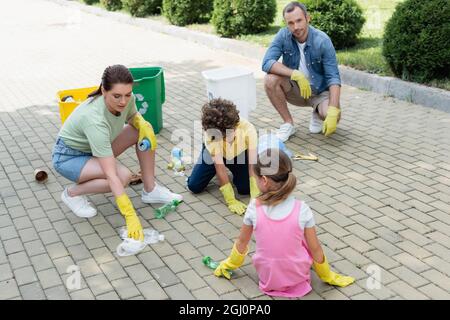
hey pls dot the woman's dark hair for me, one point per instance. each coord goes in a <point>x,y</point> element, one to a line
<point>276,166</point>
<point>219,114</point>
<point>111,76</point>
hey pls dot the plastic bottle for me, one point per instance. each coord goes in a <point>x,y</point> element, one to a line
<point>144,145</point>
<point>210,263</point>
<point>165,209</point>
<point>152,236</point>
<point>176,162</point>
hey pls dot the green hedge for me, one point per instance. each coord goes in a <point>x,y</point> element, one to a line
<point>112,5</point>
<point>238,17</point>
<point>142,8</point>
<point>341,20</point>
<point>184,12</point>
<point>91,1</point>
<point>416,40</point>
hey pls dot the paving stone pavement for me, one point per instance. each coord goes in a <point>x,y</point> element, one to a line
<point>380,192</point>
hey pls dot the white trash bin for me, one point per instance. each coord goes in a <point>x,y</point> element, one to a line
<point>233,83</point>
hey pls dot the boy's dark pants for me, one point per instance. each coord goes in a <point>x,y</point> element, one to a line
<point>204,171</point>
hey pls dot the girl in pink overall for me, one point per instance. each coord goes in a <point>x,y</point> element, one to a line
<point>286,240</point>
<point>283,264</point>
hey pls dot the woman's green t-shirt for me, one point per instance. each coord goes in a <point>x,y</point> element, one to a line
<point>92,128</point>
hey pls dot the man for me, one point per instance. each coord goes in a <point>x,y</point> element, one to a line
<point>308,76</point>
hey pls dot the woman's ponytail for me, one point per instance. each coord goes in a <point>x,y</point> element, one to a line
<point>279,165</point>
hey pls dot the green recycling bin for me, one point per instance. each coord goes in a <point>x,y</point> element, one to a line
<point>149,90</point>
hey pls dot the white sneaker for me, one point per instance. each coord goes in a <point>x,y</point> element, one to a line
<point>79,205</point>
<point>160,195</point>
<point>286,130</point>
<point>315,124</point>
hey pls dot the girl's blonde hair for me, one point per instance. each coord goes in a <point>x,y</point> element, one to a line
<point>275,165</point>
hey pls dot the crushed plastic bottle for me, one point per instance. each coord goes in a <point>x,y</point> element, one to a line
<point>210,263</point>
<point>151,236</point>
<point>129,246</point>
<point>165,209</point>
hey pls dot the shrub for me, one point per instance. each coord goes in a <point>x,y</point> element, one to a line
<point>237,17</point>
<point>183,12</point>
<point>142,8</point>
<point>341,20</point>
<point>91,1</point>
<point>416,41</point>
<point>112,5</point>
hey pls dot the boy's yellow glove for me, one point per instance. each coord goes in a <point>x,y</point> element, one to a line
<point>303,83</point>
<point>254,190</point>
<point>234,261</point>
<point>145,130</point>
<point>330,122</point>
<point>326,275</point>
<point>134,226</point>
<point>234,205</point>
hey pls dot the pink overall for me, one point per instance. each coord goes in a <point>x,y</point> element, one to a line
<point>282,259</point>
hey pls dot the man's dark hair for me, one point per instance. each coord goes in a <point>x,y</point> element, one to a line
<point>292,5</point>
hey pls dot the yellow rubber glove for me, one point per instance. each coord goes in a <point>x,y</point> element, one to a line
<point>234,205</point>
<point>254,190</point>
<point>134,226</point>
<point>145,130</point>
<point>330,122</point>
<point>303,84</point>
<point>234,261</point>
<point>326,275</point>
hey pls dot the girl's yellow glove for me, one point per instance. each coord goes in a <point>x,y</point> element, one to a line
<point>326,275</point>
<point>234,261</point>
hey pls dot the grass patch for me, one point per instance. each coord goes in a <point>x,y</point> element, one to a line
<point>365,56</point>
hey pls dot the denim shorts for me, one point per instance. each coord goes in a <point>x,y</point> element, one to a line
<point>68,162</point>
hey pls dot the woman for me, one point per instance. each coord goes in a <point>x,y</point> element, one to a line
<point>91,139</point>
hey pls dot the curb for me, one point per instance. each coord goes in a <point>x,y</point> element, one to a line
<point>389,86</point>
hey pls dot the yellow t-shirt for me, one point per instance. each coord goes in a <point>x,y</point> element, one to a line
<point>245,138</point>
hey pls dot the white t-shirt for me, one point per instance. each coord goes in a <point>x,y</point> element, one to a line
<point>280,211</point>
<point>302,65</point>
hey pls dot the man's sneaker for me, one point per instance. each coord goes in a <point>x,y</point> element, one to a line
<point>79,205</point>
<point>286,130</point>
<point>315,124</point>
<point>160,195</point>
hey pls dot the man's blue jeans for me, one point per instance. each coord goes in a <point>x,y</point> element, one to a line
<point>204,170</point>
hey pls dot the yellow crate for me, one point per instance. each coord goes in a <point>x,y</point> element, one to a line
<point>79,95</point>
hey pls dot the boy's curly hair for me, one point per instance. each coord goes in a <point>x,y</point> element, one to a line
<point>219,114</point>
